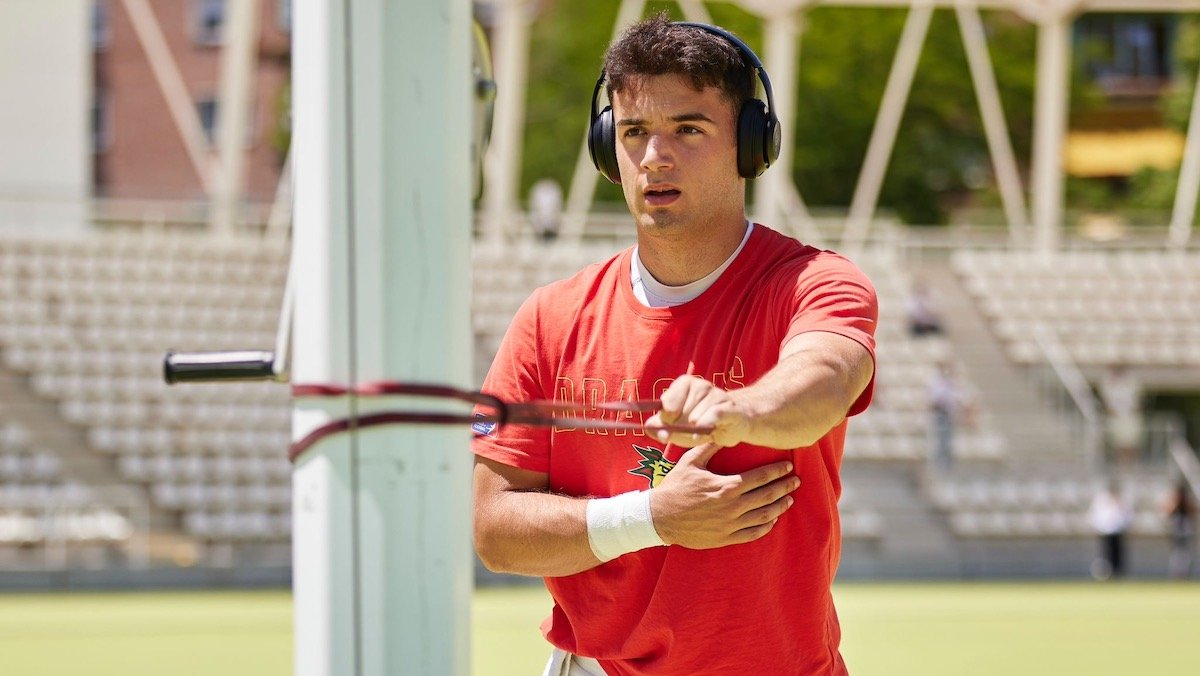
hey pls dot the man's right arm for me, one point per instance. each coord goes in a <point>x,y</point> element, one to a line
<point>524,529</point>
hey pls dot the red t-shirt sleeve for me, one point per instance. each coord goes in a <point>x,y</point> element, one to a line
<point>514,376</point>
<point>834,296</point>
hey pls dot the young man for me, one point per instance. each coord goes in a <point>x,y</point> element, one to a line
<point>668,552</point>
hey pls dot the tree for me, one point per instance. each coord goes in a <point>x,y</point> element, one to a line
<point>846,53</point>
<point>940,152</point>
<point>1154,189</point>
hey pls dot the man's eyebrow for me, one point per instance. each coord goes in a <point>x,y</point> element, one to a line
<point>682,117</point>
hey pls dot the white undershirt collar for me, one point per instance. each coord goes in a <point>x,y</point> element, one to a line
<point>653,293</point>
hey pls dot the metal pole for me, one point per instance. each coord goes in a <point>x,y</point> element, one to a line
<point>694,10</point>
<point>170,82</point>
<point>583,180</point>
<point>238,65</point>
<point>1184,213</point>
<point>781,56</point>
<point>1003,160</point>
<point>1049,129</point>
<point>887,124</point>
<point>382,564</point>
<point>279,220</point>
<point>502,163</point>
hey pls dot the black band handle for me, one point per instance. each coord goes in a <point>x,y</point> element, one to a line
<point>182,367</point>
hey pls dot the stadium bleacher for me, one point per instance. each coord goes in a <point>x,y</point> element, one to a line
<point>85,320</point>
<point>1107,307</point>
<point>1033,508</point>
<point>897,424</point>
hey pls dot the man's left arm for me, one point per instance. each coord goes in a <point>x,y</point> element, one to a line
<point>811,389</point>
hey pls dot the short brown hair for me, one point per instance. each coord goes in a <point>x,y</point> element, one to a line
<point>658,46</point>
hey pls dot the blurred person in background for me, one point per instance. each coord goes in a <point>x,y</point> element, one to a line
<point>951,407</point>
<point>545,209</point>
<point>923,317</point>
<point>1122,396</point>
<point>1110,515</point>
<point>1180,511</point>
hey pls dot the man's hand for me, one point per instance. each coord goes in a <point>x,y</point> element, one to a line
<point>692,400</point>
<point>698,509</point>
<point>819,377</point>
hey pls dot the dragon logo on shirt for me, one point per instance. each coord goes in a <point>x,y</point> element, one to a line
<point>654,466</point>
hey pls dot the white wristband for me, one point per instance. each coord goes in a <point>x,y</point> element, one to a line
<point>621,524</point>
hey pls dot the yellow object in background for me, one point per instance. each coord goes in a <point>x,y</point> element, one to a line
<point>1093,154</point>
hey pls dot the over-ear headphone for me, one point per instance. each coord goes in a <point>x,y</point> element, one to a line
<point>758,133</point>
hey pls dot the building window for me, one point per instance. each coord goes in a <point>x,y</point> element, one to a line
<point>102,131</point>
<point>207,109</point>
<point>208,21</point>
<point>101,29</point>
<point>1126,54</point>
<point>1140,49</point>
<point>285,15</point>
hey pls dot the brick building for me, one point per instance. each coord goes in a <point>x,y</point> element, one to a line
<point>140,150</point>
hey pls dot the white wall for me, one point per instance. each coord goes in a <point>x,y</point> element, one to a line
<point>45,110</point>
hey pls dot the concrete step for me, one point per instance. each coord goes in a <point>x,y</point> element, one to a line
<point>1020,409</point>
<point>50,433</point>
<point>913,534</point>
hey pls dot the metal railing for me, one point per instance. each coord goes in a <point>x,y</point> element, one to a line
<point>1168,437</point>
<point>51,529</point>
<point>36,211</point>
<point>1085,411</point>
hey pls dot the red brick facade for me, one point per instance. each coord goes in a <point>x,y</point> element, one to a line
<point>140,153</point>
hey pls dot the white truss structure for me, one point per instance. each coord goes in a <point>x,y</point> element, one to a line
<point>778,201</point>
<point>221,172</point>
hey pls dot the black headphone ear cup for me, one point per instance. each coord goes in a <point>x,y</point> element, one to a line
<point>753,129</point>
<point>602,145</point>
<point>774,139</point>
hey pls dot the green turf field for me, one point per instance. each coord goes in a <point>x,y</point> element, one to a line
<point>893,630</point>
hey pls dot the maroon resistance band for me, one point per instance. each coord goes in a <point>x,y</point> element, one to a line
<point>494,410</point>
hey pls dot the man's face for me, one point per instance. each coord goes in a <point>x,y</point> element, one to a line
<point>677,151</point>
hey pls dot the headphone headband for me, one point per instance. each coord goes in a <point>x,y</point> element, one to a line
<point>596,94</point>
<point>744,48</point>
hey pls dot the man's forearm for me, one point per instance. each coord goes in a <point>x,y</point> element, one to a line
<point>817,380</point>
<point>803,397</point>
<point>534,533</point>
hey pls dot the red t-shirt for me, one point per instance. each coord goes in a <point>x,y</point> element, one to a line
<point>755,608</point>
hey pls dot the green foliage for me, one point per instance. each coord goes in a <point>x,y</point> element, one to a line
<point>941,157</point>
<point>1153,189</point>
<point>1150,190</point>
<point>1177,104</point>
<point>279,136</point>
<point>1153,192</point>
<point>847,54</point>
<point>1089,194</point>
<point>568,42</point>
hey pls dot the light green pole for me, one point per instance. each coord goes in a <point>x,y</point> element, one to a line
<point>382,555</point>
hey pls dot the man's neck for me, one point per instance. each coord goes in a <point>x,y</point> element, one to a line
<point>676,261</point>
<point>652,293</point>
